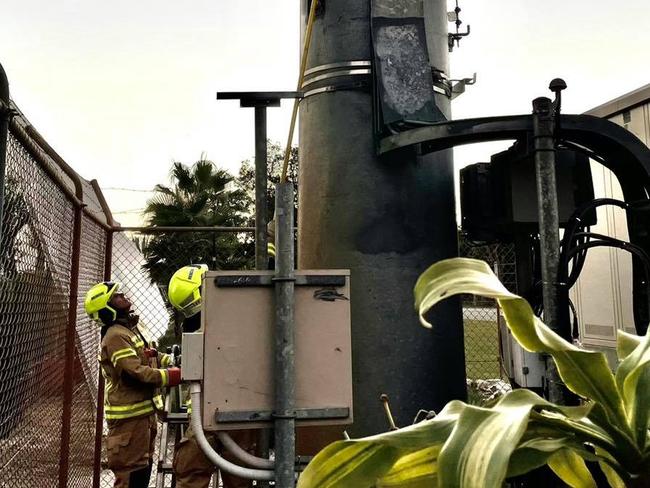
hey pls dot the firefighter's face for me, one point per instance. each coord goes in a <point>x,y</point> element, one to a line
<point>120,302</point>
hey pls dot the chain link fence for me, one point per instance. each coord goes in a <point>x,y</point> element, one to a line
<point>487,375</point>
<point>48,366</point>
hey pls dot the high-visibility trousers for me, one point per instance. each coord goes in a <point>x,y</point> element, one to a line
<point>130,447</point>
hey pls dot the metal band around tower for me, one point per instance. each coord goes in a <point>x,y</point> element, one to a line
<point>336,70</point>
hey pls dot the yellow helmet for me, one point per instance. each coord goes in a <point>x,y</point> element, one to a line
<point>97,299</point>
<point>184,290</point>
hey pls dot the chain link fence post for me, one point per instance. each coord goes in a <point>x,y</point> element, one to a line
<point>99,419</point>
<point>5,113</point>
<point>70,349</point>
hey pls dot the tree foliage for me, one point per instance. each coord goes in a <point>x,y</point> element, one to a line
<point>275,158</point>
<point>199,195</point>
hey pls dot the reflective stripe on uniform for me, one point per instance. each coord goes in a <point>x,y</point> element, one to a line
<point>137,342</point>
<point>158,402</point>
<point>166,360</point>
<point>165,376</point>
<point>122,353</point>
<point>115,412</point>
<point>271,249</point>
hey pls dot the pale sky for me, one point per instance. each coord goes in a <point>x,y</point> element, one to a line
<point>122,88</point>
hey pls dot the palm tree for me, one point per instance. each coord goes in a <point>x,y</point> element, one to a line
<point>199,195</point>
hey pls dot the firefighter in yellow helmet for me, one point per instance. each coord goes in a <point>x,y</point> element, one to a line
<point>131,385</point>
<point>191,467</point>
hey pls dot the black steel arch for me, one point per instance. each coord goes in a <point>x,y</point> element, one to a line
<point>613,146</point>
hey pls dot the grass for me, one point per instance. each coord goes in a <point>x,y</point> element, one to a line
<point>482,356</point>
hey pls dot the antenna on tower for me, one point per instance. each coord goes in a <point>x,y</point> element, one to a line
<point>454,38</point>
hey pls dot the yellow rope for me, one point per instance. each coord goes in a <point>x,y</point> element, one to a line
<point>296,102</point>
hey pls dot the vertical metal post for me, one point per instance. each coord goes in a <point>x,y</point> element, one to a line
<point>68,375</point>
<point>285,435</point>
<point>544,148</point>
<point>5,113</point>
<point>261,236</point>
<point>261,211</point>
<point>385,222</point>
<point>99,420</point>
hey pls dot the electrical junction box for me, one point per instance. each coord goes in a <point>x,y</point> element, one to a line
<point>526,369</point>
<point>499,199</point>
<point>237,349</point>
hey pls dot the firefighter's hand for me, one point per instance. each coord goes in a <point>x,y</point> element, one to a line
<point>133,319</point>
<point>174,375</point>
<point>151,353</point>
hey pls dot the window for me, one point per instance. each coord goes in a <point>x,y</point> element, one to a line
<point>626,117</point>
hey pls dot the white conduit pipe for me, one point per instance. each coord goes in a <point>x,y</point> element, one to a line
<point>243,455</point>
<point>210,453</point>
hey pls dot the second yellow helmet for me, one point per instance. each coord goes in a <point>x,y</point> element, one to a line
<point>184,290</point>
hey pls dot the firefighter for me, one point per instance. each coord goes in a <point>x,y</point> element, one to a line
<point>191,467</point>
<point>131,385</point>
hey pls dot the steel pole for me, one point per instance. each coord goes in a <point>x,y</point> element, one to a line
<point>261,210</point>
<point>261,235</point>
<point>385,222</point>
<point>99,420</point>
<point>285,380</point>
<point>547,207</point>
<point>71,329</point>
<point>5,113</point>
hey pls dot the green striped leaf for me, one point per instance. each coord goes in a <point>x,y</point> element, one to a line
<point>415,470</point>
<point>626,343</point>
<point>633,379</point>
<point>571,469</point>
<point>361,463</point>
<point>478,452</point>
<point>586,373</point>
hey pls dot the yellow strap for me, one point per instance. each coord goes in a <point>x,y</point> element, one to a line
<point>158,402</point>
<point>111,415</point>
<point>131,406</point>
<point>122,353</point>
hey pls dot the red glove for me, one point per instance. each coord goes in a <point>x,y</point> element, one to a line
<point>174,375</point>
<point>151,353</point>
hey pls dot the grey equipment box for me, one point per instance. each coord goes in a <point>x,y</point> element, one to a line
<point>238,320</point>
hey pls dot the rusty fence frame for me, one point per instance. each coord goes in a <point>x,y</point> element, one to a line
<point>40,150</point>
<point>34,144</point>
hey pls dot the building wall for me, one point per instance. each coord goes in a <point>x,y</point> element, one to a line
<point>603,294</point>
